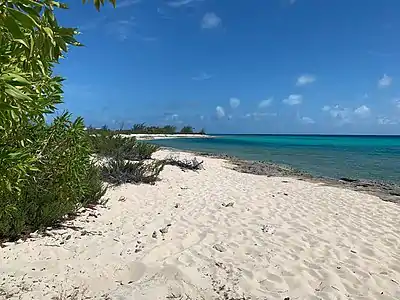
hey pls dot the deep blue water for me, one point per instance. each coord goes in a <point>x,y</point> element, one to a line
<point>368,157</point>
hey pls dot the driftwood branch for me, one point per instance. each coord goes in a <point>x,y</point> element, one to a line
<point>185,164</point>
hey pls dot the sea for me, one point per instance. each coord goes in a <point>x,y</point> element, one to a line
<point>356,157</point>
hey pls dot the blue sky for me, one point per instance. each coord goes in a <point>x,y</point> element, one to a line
<point>237,66</point>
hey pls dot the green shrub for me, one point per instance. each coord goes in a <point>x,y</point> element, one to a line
<point>45,170</point>
<point>119,171</point>
<point>65,179</point>
<point>115,146</point>
<point>187,129</point>
<point>143,150</point>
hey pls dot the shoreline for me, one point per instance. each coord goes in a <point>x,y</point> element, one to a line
<point>161,136</point>
<point>387,191</point>
<point>212,234</point>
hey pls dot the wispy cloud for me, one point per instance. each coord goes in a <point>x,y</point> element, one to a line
<point>179,3</point>
<point>92,24</point>
<point>259,115</point>
<point>127,3</point>
<point>293,100</point>
<point>326,108</point>
<point>307,120</point>
<point>234,102</point>
<point>210,20</point>
<point>385,81</point>
<point>173,117</point>
<point>220,112</point>
<point>341,115</point>
<point>396,102</point>
<point>305,79</point>
<point>265,103</point>
<point>381,54</point>
<point>363,111</point>
<point>203,76</point>
<point>345,115</point>
<point>386,121</point>
<point>163,14</point>
<point>150,39</point>
<point>122,29</point>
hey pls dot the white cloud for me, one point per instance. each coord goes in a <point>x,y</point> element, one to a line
<point>171,117</point>
<point>234,102</point>
<point>362,111</point>
<point>220,112</point>
<point>341,114</point>
<point>122,29</point>
<point>179,3</point>
<point>210,21</point>
<point>293,100</point>
<point>397,102</point>
<point>305,79</point>
<point>386,121</point>
<point>385,81</point>
<point>126,3</point>
<point>265,103</point>
<point>259,115</point>
<point>345,115</point>
<point>307,120</point>
<point>203,76</point>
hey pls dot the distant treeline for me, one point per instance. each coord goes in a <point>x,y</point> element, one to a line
<point>145,129</point>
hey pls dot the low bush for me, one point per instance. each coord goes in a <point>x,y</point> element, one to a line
<point>118,171</point>
<point>115,146</point>
<point>62,179</point>
<point>143,150</point>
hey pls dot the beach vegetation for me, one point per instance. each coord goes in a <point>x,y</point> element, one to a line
<point>118,171</point>
<point>142,128</point>
<point>185,164</point>
<point>187,129</point>
<point>45,167</point>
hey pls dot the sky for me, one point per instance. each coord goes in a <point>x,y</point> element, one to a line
<point>237,66</point>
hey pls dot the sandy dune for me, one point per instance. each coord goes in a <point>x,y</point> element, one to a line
<point>216,234</point>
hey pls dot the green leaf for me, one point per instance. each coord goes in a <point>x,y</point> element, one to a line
<point>15,78</point>
<point>26,20</point>
<point>13,28</point>
<point>5,106</point>
<point>16,93</point>
<point>21,41</point>
<point>50,34</point>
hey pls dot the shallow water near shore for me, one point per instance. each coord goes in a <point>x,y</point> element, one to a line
<point>366,157</point>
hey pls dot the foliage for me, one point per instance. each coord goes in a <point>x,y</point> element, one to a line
<point>118,171</point>
<point>142,128</point>
<point>121,152</point>
<point>65,180</point>
<point>116,146</point>
<point>40,165</point>
<point>143,150</point>
<point>187,129</point>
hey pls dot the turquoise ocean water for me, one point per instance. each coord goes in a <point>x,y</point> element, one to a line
<point>367,157</point>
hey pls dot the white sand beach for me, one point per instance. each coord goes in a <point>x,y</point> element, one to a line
<point>215,234</point>
<point>160,136</point>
